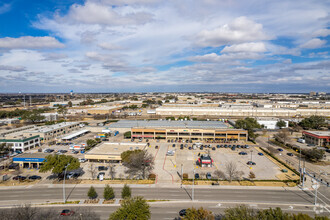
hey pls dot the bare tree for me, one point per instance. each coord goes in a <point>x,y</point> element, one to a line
<point>140,163</point>
<point>231,170</point>
<point>272,150</point>
<point>219,174</point>
<point>252,175</point>
<point>92,170</point>
<point>112,171</point>
<point>283,136</point>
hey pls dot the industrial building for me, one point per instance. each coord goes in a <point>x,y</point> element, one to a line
<point>271,123</point>
<point>241,112</point>
<point>317,138</point>
<point>192,130</point>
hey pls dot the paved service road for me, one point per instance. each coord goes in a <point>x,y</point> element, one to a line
<point>279,196</point>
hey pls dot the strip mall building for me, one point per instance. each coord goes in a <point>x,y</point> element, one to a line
<point>192,130</point>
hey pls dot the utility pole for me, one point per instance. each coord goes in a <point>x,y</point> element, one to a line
<point>299,163</point>
<point>66,167</point>
<point>251,155</point>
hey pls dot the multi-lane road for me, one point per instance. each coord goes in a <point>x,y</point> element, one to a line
<point>214,199</point>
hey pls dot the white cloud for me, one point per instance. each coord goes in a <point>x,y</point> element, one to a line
<point>231,57</point>
<point>245,47</point>
<point>314,43</point>
<point>93,13</point>
<point>322,33</point>
<point>28,42</point>
<point>240,30</point>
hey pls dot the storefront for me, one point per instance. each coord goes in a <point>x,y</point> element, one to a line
<point>30,161</point>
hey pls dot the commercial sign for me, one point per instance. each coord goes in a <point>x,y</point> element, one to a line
<point>35,160</point>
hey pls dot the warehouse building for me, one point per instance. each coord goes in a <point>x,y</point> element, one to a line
<point>317,138</point>
<point>241,112</point>
<point>192,130</point>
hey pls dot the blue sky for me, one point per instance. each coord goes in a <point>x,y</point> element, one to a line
<point>154,45</point>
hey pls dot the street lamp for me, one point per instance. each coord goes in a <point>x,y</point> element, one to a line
<point>192,195</point>
<point>66,167</point>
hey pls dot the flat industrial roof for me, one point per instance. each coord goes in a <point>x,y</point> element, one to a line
<point>114,148</point>
<point>168,124</point>
<point>75,134</point>
<point>51,127</point>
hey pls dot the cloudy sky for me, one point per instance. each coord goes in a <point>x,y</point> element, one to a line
<point>157,45</point>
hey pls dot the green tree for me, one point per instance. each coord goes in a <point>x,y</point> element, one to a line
<point>127,134</point>
<point>313,154</point>
<point>92,194</point>
<point>125,156</point>
<point>58,163</point>
<point>135,208</point>
<point>281,124</point>
<point>248,124</point>
<point>313,122</point>
<point>198,214</point>
<point>126,192</point>
<point>33,116</point>
<point>91,143</point>
<point>70,104</point>
<point>271,213</point>
<point>240,212</point>
<point>108,193</point>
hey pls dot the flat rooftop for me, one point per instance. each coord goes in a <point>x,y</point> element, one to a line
<point>49,128</point>
<point>319,133</point>
<point>32,155</point>
<point>168,124</point>
<point>114,148</point>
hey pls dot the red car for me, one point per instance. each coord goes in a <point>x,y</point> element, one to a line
<point>67,212</point>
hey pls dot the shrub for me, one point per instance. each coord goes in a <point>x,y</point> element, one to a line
<point>92,194</point>
<point>126,192</point>
<point>185,176</point>
<point>108,193</point>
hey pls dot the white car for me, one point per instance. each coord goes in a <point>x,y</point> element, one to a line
<point>82,160</point>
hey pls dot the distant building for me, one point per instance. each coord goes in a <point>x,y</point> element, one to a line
<point>312,93</point>
<point>271,123</point>
<point>317,138</point>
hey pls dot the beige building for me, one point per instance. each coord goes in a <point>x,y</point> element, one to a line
<point>52,132</point>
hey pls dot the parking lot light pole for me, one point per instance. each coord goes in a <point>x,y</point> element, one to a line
<point>193,187</point>
<point>66,167</point>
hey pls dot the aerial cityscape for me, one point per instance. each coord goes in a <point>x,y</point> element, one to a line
<point>150,109</point>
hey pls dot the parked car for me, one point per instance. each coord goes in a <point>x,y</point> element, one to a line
<point>102,168</point>
<point>208,176</point>
<point>156,147</point>
<point>290,154</point>
<point>63,151</point>
<point>21,178</point>
<point>260,154</point>
<point>82,160</point>
<point>100,173</point>
<point>242,153</point>
<point>174,145</point>
<point>183,212</point>
<point>67,212</point>
<point>34,177</point>
<point>75,152</point>
<point>189,148</point>
<point>218,146</point>
<point>280,149</point>
<point>213,148</point>
<point>196,176</point>
<point>251,163</point>
<point>201,148</point>
<point>181,148</point>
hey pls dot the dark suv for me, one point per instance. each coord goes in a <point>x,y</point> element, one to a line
<point>102,168</point>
